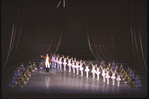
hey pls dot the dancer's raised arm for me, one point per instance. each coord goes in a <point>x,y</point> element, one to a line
<point>80,61</point>
<point>96,65</point>
<point>67,57</point>
<point>84,63</point>
<point>91,63</point>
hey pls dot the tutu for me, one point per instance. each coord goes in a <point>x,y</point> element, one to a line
<point>97,72</point>
<point>81,68</point>
<point>64,63</point>
<point>103,73</point>
<point>87,70</point>
<point>113,77</point>
<point>107,76</point>
<point>77,66</point>
<point>93,71</point>
<point>118,79</point>
<point>36,68</point>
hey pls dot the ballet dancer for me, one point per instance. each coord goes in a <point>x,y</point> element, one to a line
<point>97,73</point>
<point>56,61</point>
<point>53,60</point>
<point>41,65</point>
<point>81,68</point>
<point>60,62</point>
<point>34,65</point>
<point>64,62</point>
<point>113,76</point>
<point>118,79</point>
<point>69,64</point>
<point>103,74</point>
<point>47,62</point>
<point>73,66</point>
<point>93,69</point>
<point>107,75</point>
<point>77,67</point>
<point>86,69</point>
<point>22,67</point>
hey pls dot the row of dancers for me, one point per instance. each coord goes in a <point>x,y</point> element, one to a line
<point>22,74</point>
<point>118,73</point>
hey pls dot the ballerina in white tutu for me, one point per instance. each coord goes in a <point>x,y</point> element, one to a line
<point>81,69</point>
<point>113,76</point>
<point>86,69</point>
<point>118,79</point>
<point>69,64</point>
<point>107,75</point>
<point>56,61</point>
<point>74,60</point>
<point>103,74</point>
<point>64,63</point>
<point>73,66</point>
<point>93,69</point>
<point>97,73</point>
<point>77,67</point>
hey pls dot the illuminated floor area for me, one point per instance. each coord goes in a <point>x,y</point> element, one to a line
<point>60,83</point>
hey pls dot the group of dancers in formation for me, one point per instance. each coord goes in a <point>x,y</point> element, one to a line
<point>107,71</point>
<point>22,74</point>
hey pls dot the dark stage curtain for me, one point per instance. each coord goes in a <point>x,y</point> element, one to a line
<point>118,33</point>
<point>35,31</point>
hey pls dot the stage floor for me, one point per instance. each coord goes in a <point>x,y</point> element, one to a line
<point>60,83</point>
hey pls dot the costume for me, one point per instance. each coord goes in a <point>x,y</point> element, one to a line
<point>34,65</point>
<point>56,62</point>
<point>64,64</point>
<point>81,69</point>
<point>93,71</point>
<point>107,76</point>
<point>53,61</point>
<point>47,62</point>
<point>69,65</point>
<point>87,70</point>
<point>77,67</point>
<point>113,78</point>
<point>73,66</point>
<point>41,65</point>
<point>118,80</point>
<point>98,73</point>
<point>103,74</point>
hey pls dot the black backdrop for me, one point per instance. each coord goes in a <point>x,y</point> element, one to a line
<point>109,30</point>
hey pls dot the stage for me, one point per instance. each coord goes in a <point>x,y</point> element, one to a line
<point>60,83</point>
